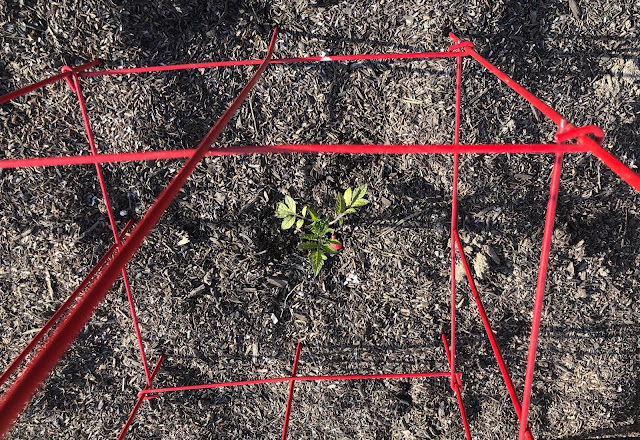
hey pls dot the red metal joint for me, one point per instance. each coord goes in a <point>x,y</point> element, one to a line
<point>574,133</point>
<point>68,79</point>
<point>461,45</point>
<point>456,384</point>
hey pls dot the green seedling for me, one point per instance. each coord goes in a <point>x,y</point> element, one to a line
<point>318,235</point>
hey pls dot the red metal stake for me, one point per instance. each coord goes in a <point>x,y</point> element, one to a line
<point>290,398</point>
<point>141,398</point>
<point>454,219</point>
<point>542,276</point>
<point>457,389</point>
<point>112,221</point>
<point>492,339</point>
<point>23,389</point>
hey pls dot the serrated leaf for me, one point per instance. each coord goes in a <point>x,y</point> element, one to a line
<point>306,245</point>
<point>304,211</point>
<point>283,210</point>
<point>340,204</point>
<point>309,237</point>
<point>359,202</point>
<point>291,204</point>
<point>299,223</point>
<point>314,215</point>
<point>328,249</point>
<point>347,196</point>
<point>287,222</point>
<point>317,258</point>
<point>359,192</point>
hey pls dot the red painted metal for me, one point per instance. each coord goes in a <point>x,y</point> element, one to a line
<point>96,285</point>
<point>576,132</point>
<point>490,335</point>
<point>21,391</point>
<point>298,148</point>
<point>47,81</point>
<point>287,413</point>
<point>75,83</point>
<point>316,59</point>
<point>542,276</point>
<point>62,309</point>
<point>457,389</point>
<point>454,216</point>
<point>140,399</point>
<point>208,386</point>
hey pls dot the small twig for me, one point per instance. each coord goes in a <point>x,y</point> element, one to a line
<point>409,217</point>
<point>225,12</point>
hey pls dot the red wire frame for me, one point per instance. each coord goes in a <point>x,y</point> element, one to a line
<point>95,286</point>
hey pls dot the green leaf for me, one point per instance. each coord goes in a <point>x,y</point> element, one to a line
<point>309,237</point>
<point>350,211</point>
<point>314,215</point>
<point>287,222</point>
<point>347,196</point>
<point>317,258</point>
<point>290,203</point>
<point>304,211</point>
<point>334,241</point>
<point>299,223</point>
<point>360,202</point>
<point>283,211</point>
<point>328,249</point>
<point>359,192</point>
<point>320,228</point>
<point>340,204</point>
<point>306,245</point>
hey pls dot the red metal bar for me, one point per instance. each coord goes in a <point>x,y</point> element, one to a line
<point>23,389</point>
<point>297,148</point>
<point>139,401</point>
<point>574,133</point>
<point>30,88</point>
<point>296,379</point>
<point>623,171</point>
<point>287,413</point>
<point>454,218</point>
<point>542,274</point>
<point>315,59</point>
<point>132,416</point>
<point>530,97</point>
<point>607,158</point>
<point>63,308</point>
<point>112,221</point>
<point>456,388</point>
<point>492,339</point>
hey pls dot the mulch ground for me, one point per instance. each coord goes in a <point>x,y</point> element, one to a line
<point>225,294</point>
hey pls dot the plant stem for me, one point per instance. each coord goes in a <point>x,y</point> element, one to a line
<point>335,220</point>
